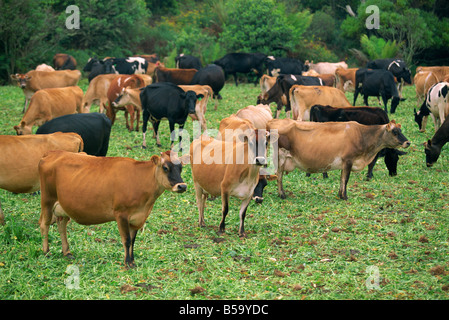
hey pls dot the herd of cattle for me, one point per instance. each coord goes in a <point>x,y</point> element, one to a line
<point>66,158</point>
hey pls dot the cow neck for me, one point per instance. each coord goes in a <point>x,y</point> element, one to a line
<point>441,137</point>
<point>372,138</point>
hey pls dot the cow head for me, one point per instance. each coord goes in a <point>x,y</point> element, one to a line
<point>190,98</point>
<point>21,79</point>
<point>394,137</point>
<point>432,152</point>
<point>394,104</point>
<point>22,129</point>
<point>90,63</point>
<point>168,172</point>
<point>258,190</point>
<point>257,141</point>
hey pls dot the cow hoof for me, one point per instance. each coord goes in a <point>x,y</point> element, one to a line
<point>144,147</point>
<point>69,256</point>
<point>159,145</point>
<point>283,196</point>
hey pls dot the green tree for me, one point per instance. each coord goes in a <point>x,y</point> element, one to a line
<point>262,26</point>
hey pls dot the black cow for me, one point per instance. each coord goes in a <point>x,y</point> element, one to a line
<point>282,87</point>
<point>363,115</point>
<point>432,147</point>
<point>376,83</point>
<point>396,66</point>
<point>94,128</point>
<point>277,66</point>
<point>165,100</point>
<point>424,111</point>
<point>97,67</point>
<point>233,63</point>
<point>130,65</point>
<point>185,61</point>
<point>211,75</point>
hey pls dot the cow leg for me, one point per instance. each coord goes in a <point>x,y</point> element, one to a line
<point>369,174</point>
<point>200,202</point>
<point>130,111</point>
<point>127,239</point>
<point>156,132</point>
<point>356,93</point>
<point>2,216</point>
<point>45,219</point>
<point>224,209</point>
<point>345,172</point>
<point>236,80</point>
<point>145,118</point>
<point>137,118</point>
<point>62,228</point>
<point>281,192</point>
<point>242,214</point>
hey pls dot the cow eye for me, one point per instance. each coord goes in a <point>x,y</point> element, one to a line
<point>165,168</point>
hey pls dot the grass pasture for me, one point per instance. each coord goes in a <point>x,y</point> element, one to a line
<point>309,246</point>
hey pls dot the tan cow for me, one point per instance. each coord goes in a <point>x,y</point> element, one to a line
<point>325,67</point>
<point>439,71</point>
<point>304,97</point>
<point>97,92</point>
<point>259,115</point>
<point>320,147</point>
<point>20,157</point>
<point>33,81</point>
<point>47,104</point>
<point>423,81</point>
<point>345,79</point>
<point>95,190</point>
<point>201,104</point>
<point>226,169</point>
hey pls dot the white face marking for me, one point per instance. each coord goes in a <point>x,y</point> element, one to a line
<point>293,77</point>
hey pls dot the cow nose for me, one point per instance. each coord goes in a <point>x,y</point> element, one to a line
<point>180,187</point>
<point>406,144</point>
<point>258,200</point>
<point>429,165</point>
<point>260,161</point>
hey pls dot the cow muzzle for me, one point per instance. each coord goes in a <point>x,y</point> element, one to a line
<point>258,199</point>
<point>179,187</point>
<point>260,161</point>
<point>406,144</point>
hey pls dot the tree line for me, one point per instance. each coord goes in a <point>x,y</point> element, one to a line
<point>32,31</point>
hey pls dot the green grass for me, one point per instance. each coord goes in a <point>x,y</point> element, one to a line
<point>309,246</point>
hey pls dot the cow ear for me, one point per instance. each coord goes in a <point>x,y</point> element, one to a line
<point>14,76</point>
<point>156,160</point>
<point>27,78</point>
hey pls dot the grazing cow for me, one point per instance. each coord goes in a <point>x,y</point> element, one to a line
<point>47,104</point>
<point>205,92</point>
<point>34,80</point>
<point>174,75</point>
<point>345,79</point>
<point>233,171</point>
<point>94,128</point>
<point>362,115</point>
<point>166,100</point>
<point>304,97</point>
<point>277,66</point>
<point>423,81</point>
<point>432,148</point>
<point>63,61</point>
<point>397,67</point>
<point>320,147</point>
<point>233,63</point>
<point>279,92</point>
<point>326,67</point>
<point>98,67</point>
<point>97,92</point>
<point>95,190</point>
<point>185,61</point>
<point>130,65</point>
<point>44,67</point>
<point>21,155</point>
<point>117,84</point>
<point>436,104</point>
<point>213,76</point>
<point>377,83</point>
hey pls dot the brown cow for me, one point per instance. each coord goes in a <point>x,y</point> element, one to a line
<point>423,81</point>
<point>97,92</point>
<point>320,147</point>
<point>328,79</point>
<point>201,104</point>
<point>345,79</point>
<point>233,171</point>
<point>36,80</point>
<point>259,115</point>
<point>439,71</point>
<point>116,87</point>
<point>304,97</point>
<point>63,61</point>
<point>95,190</point>
<point>20,157</point>
<point>47,104</point>
<point>174,75</point>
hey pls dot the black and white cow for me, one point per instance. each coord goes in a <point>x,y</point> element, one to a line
<point>376,83</point>
<point>130,65</point>
<point>436,104</point>
<point>94,128</point>
<point>233,63</point>
<point>277,66</point>
<point>185,61</point>
<point>165,100</point>
<point>97,67</point>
